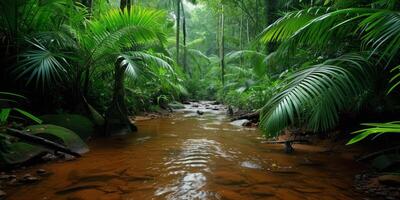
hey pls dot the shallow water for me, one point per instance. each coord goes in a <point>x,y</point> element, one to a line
<point>191,156</point>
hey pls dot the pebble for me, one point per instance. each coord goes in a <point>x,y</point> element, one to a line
<point>12,182</point>
<point>28,178</point>
<point>49,157</point>
<point>69,158</point>
<point>7,177</point>
<point>41,172</point>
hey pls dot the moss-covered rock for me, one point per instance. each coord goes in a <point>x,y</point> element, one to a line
<point>12,153</point>
<point>19,152</point>
<point>77,123</point>
<point>61,135</point>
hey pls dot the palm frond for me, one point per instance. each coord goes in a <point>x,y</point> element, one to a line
<point>381,32</point>
<point>284,28</point>
<point>317,94</point>
<point>197,55</point>
<point>118,29</point>
<point>376,129</point>
<point>139,62</point>
<point>42,64</point>
<point>395,80</point>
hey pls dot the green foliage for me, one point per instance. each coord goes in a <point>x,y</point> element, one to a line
<point>317,93</point>
<point>5,111</point>
<point>376,130</point>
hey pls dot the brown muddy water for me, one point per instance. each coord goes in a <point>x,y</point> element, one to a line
<point>191,156</point>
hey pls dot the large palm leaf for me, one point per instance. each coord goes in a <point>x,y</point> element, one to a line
<point>118,29</point>
<point>101,42</point>
<point>141,62</point>
<point>42,64</point>
<point>317,94</point>
<point>379,29</point>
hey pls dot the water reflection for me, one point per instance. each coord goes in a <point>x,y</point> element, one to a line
<point>250,165</point>
<point>188,187</point>
<point>190,165</point>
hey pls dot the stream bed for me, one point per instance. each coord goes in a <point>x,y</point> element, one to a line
<point>193,156</point>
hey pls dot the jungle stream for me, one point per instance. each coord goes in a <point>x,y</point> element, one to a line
<point>195,156</point>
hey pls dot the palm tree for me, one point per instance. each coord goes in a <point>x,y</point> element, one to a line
<point>117,35</point>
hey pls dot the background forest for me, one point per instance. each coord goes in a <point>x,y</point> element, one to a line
<point>315,65</point>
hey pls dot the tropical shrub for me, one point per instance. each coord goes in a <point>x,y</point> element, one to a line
<point>362,39</point>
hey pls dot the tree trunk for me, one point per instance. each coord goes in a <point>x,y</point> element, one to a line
<point>178,24</point>
<point>248,31</point>
<point>241,38</point>
<point>125,4</point>
<point>270,17</point>
<point>117,119</point>
<point>184,30</point>
<point>222,47</point>
<point>122,4</point>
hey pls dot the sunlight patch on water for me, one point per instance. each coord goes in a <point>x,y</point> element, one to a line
<point>188,187</point>
<point>186,169</point>
<point>250,165</point>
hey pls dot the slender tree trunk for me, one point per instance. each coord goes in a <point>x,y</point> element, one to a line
<point>178,24</point>
<point>241,37</point>
<point>248,31</point>
<point>117,119</point>
<point>257,17</point>
<point>123,4</point>
<point>87,82</point>
<point>222,46</point>
<point>218,35</point>
<point>184,30</point>
<point>129,4</point>
<point>270,17</point>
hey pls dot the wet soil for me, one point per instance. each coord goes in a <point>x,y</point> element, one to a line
<point>192,156</point>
